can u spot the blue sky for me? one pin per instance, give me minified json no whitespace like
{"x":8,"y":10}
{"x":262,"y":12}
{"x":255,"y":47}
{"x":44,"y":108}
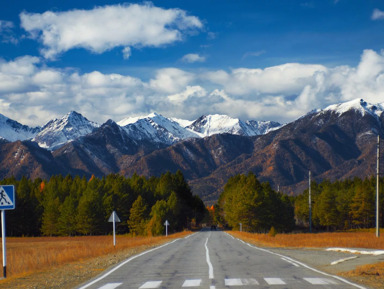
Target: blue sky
{"x":270,"y":60}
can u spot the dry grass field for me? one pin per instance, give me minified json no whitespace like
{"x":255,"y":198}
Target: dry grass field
{"x":27,"y":256}
{"x":359,"y":239}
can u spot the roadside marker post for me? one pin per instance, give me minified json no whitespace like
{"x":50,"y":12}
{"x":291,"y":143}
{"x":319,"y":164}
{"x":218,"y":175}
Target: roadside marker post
{"x":114,"y":218}
{"x":166,"y":224}
{"x":7,"y":202}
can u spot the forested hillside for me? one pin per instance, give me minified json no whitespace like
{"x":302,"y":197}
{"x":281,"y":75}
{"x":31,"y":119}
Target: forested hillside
{"x":67,"y":206}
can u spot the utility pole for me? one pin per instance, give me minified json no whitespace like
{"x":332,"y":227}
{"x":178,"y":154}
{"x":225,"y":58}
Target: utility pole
{"x":377,"y":188}
{"x":310,"y":204}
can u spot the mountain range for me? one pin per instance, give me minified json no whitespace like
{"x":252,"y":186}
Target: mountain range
{"x":334,"y":143}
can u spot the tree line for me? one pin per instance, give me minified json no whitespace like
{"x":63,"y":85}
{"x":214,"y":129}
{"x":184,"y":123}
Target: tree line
{"x":341,"y":205}
{"x":68,"y":206}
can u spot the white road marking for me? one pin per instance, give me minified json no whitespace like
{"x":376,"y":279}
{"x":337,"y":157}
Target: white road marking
{"x":189,"y":236}
{"x":233,"y":282}
{"x":123,"y":263}
{"x":110,"y":286}
{"x":320,"y":281}
{"x":274,"y":281}
{"x":192,"y":283}
{"x":151,"y":284}
{"x":289,"y":261}
{"x":305,"y":265}
{"x":208,"y":260}
{"x":240,"y":282}
{"x":343,"y":260}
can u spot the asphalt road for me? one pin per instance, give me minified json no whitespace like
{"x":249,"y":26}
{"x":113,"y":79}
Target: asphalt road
{"x":214,"y":259}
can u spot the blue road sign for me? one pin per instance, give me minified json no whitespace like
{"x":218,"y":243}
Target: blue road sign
{"x":7,"y":197}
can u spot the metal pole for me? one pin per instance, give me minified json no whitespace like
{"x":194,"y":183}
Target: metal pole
{"x":114,"y":229}
{"x":4,"y":245}
{"x":377,"y":188}
{"x":310,"y":204}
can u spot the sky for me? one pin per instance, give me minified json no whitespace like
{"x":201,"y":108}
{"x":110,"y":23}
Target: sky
{"x":249,"y":59}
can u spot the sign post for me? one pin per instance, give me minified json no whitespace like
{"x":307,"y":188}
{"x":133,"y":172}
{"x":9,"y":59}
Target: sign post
{"x":114,"y":218}
{"x":7,"y":202}
{"x":166,"y":224}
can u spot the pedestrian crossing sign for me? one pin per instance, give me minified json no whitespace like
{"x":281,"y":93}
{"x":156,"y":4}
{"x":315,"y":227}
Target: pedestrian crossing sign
{"x":7,"y":197}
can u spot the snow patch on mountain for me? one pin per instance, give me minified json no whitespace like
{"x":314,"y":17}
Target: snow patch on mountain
{"x":156,"y":128}
{"x":58,"y":132}
{"x":208,"y":125}
{"x":12,"y":130}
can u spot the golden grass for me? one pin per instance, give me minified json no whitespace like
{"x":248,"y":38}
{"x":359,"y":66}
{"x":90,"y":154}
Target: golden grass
{"x":27,"y":255}
{"x":366,"y":239}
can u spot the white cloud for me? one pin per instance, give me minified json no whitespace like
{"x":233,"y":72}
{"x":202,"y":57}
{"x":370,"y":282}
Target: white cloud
{"x":6,"y":32}
{"x":32,"y":93}
{"x":127,"y":52}
{"x":193,"y":57}
{"x":104,"y":28}
{"x":171,"y":80}
{"x":283,"y":79}
{"x":377,"y":15}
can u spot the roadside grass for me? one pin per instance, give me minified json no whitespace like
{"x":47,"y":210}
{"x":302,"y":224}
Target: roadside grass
{"x":357,"y":239}
{"x":34,"y":254}
{"x":372,"y":274}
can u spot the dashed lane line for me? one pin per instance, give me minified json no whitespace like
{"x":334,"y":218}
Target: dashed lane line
{"x":111,"y":286}
{"x":192,"y":283}
{"x":274,"y":281}
{"x":151,"y":284}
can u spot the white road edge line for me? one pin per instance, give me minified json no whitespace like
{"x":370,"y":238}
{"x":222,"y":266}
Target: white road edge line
{"x":343,"y":260}
{"x":208,"y":259}
{"x":123,"y":263}
{"x":304,"y":265}
{"x":291,"y":262}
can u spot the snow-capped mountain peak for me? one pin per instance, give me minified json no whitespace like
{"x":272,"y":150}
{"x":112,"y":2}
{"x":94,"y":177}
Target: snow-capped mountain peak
{"x":208,"y":125}
{"x":57,"y":132}
{"x":11,"y":130}
{"x":357,"y":105}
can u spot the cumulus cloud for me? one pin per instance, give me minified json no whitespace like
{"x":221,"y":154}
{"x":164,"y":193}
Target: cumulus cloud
{"x":377,"y":15}
{"x":107,"y":27}
{"x":171,"y":80}
{"x":33,"y":93}
{"x":287,"y":78}
{"x":193,"y":57}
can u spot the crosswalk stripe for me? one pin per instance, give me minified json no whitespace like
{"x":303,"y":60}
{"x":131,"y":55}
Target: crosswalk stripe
{"x":320,"y":281}
{"x":240,"y":282}
{"x":111,"y":286}
{"x":274,"y":281}
{"x":192,"y":283}
{"x":151,"y":284}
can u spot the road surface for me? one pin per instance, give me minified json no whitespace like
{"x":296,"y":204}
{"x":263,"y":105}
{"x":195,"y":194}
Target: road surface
{"x":213,"y":260}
